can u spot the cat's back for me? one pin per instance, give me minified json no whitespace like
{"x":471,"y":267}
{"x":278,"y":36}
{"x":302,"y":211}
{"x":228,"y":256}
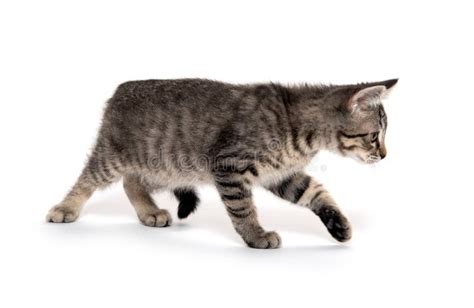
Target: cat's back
{"x":193,"y":104}
{"x":174,"y":93}
{"x":153,"y":112}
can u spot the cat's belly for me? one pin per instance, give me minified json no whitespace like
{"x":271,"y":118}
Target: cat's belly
{"x":174,"y":178}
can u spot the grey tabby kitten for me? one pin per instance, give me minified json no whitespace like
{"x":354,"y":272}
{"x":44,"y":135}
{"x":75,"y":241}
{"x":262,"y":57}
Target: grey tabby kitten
{"x":174,"y":134}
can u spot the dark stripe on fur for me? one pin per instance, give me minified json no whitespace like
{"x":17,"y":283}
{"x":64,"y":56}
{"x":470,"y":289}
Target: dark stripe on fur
{"x":316,"y":196}
{"x":237,"y":196}
{"x":301,"y":188}
{"x":309,"y":139}
{"x":230,"y":184}
{"x":238,"y":214}
{"x":281,"y":189}
{"x":353,"y":136}
{"x":295,"y":138}
{"x":253,"y":170}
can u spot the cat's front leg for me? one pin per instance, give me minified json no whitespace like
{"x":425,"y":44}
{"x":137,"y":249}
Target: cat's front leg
{"x":237,"y":198}
{"x":303,"y":190}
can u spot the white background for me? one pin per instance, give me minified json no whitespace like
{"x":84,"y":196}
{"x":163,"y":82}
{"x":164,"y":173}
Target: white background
{"x":412,"y":243}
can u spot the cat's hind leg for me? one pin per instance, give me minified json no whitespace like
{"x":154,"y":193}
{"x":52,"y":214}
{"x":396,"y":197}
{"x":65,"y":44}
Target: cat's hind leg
{"x":139,"y":195}
{"x":98,"y":173}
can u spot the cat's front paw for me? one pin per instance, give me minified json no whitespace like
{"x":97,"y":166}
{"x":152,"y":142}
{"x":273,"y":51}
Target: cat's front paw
{"x":62,"y":214}
{"x":336,"y":223}
{"x":265,"y":240}
{"x":157,"y":218}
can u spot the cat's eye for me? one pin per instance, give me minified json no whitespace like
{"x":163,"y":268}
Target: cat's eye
{"x":374,"y":137}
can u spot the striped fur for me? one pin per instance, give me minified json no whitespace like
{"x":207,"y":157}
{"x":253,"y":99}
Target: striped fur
{"x":175,"y":134}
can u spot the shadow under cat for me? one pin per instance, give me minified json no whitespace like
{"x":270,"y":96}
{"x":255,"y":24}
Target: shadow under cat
{"x":211,"y":218}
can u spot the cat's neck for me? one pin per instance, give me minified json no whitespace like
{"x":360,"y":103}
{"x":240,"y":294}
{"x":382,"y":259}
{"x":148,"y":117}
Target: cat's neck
{"x":312,"y":117}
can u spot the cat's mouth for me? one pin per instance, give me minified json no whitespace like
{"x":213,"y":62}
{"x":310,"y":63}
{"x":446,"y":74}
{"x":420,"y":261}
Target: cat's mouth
{"x":372,"y":159}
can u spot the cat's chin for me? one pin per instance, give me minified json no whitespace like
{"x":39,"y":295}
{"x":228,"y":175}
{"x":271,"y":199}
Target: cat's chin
{"x":366,"y":161}
{"x":371,"y":161}
{"x":360,"y":160}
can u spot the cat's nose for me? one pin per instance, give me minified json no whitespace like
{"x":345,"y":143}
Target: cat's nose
{"x":382,"y":152}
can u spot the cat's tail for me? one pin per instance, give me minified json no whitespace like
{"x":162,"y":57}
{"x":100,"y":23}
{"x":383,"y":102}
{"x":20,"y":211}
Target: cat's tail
{"x":188,"y":201}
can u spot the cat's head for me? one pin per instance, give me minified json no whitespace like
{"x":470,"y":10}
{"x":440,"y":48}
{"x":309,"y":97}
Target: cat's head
{"x":363,"y":122}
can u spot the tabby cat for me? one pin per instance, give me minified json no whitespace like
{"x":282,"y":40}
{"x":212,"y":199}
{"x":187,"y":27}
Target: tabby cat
{"x":174,"y":134}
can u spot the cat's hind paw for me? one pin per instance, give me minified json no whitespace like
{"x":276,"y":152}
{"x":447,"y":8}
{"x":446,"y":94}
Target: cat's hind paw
{"x":157,"y":218}
{"x":62,"y":214}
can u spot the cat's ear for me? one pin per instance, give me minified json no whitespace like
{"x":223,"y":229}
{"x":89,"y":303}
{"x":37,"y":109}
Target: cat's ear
{"x":365,"y":98}
{"x":389,"y":84}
